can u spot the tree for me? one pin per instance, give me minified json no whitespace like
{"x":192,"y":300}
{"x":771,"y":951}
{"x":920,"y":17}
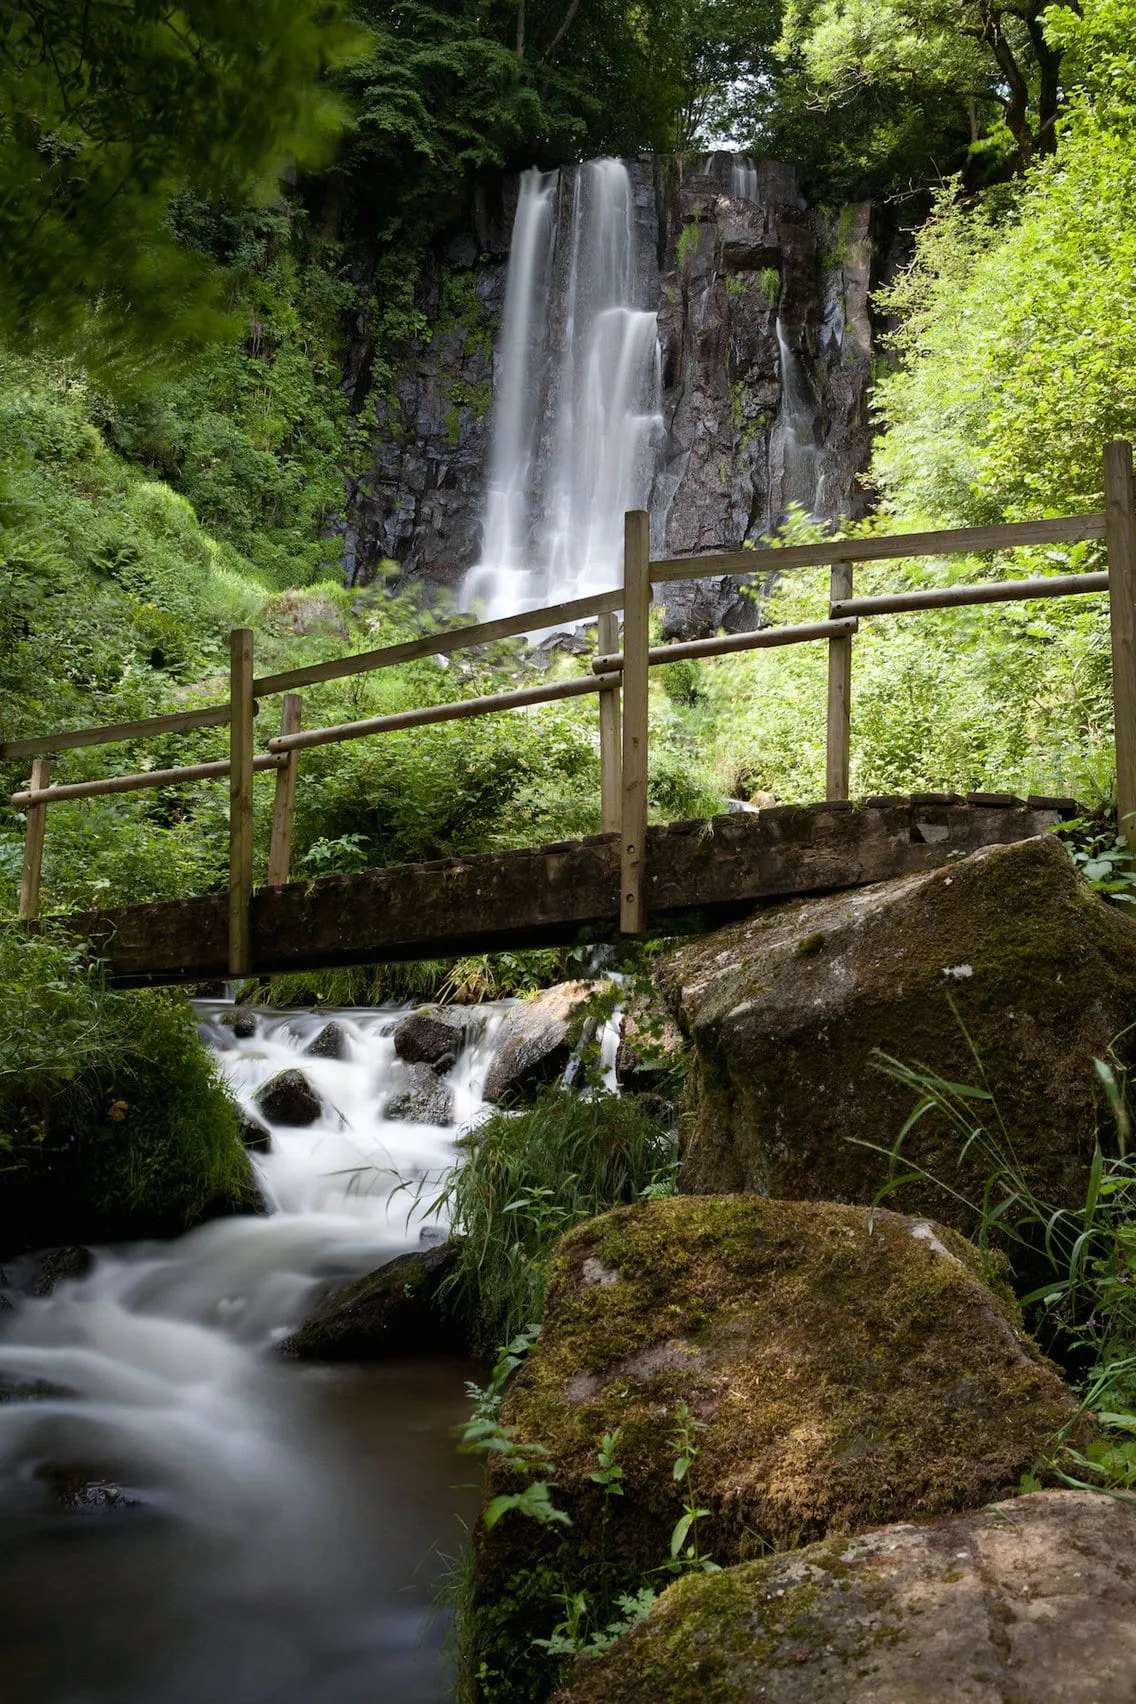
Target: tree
{"x":109,"y":109}
{"x":994,"y":58}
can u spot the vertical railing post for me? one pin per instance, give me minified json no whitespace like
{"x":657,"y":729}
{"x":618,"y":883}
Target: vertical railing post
{"x":33,"y":844}
{"x":284,"y":806}
{"x":636,"y":670}
{"x":241,"y":711}
{"x":838,"y":748}
{"x":607,"y":643}
{"x":1120,"y":524}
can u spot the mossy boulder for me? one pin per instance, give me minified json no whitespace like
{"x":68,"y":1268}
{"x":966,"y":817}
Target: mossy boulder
{"x":839,"y":1372}
{"x":1029,"y":1601}
{"x":788,"y":1011}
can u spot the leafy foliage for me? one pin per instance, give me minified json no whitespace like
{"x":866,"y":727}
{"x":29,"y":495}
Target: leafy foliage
{"x":109,"y":109}
{"x":113,"y":1120}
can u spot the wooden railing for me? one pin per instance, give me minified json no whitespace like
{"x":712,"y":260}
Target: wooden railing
{"x":619,"y":678}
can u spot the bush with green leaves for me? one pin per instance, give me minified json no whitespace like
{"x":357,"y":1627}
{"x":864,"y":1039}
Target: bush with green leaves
{"x":113,"y":1119}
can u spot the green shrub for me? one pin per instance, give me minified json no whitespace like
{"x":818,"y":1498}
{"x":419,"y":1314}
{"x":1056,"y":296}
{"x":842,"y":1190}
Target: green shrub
{"x":113,"y":1119}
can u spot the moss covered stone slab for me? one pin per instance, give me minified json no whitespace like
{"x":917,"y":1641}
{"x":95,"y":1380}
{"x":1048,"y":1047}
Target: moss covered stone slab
{"x":839,"y":1373}
{"x":786,"y":1012}
{"x":1026,"y":1602}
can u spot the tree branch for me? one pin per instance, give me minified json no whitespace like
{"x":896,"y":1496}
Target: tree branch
{"x":565,"y":25}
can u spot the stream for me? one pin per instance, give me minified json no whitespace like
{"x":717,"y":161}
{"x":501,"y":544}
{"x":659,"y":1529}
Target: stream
{"x":187,"y":1517}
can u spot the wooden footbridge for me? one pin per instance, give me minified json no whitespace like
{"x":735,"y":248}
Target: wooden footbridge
{"x":630,"y":878}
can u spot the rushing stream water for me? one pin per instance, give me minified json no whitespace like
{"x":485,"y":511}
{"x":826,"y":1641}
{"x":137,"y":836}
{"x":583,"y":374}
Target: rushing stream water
{"x":187,"y":1518}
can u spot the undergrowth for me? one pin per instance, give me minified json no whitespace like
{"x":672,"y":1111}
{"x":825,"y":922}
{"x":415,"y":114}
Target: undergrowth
{"x":1083,"y":1310}
{"x":113,"y":1119}
{"x":523,"y":1179}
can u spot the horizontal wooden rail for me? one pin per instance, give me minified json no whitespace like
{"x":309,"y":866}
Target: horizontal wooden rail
{"x":132,"y":783}
{"x":455,"y":711}
{"x":177,"y":722}
{"x":959,"y":541}
{"x":760,"y":639}
{"x":442,"y":644}
{"x":992,"y":591}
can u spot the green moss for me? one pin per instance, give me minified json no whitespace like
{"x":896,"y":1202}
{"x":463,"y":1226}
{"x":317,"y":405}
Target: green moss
{"x":843,"y":1377}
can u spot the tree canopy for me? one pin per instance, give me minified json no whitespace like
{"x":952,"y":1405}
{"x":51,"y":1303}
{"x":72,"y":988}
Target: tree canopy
{"x":109,"y":109}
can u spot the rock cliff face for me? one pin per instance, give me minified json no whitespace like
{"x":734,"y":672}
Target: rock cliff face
{"x":765,"y":358}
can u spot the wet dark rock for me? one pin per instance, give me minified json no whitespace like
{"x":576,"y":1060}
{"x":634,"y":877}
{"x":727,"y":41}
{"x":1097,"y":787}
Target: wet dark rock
{"x":395,"y":1310}
{"x":427,"y":1038}
{"x":242,"y":1022}
{"x":536,"y":1043}
{"x":58,"y":1265}
{"x":288,"y":1098}
{"x":424,"y":1100}
{"x":83,"y":1490}
{"x":332,"y":1042}
{"x":256,"y":1136}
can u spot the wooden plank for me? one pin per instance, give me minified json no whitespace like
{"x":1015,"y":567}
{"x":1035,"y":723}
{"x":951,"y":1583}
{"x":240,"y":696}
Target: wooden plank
{"x":551,"y":895}
{"x":636,"y":682}
{"x":986,"y":592}
{"x":455,"y":711}
{"x":958,"y":541}
{"x":177,"y":722}
{"x":839,"y":698}
{"x":33,"y":844}
{"x":1120,"y":507}
{"x":284,"y":805}
{"x":725,"y":645}
{"x":240,"y":799}
{"x":443,"y":644}
{"x":134,"y":783}
{"x":611,"y":757}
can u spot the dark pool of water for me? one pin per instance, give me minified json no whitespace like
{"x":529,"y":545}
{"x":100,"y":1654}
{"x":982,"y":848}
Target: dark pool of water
{"x":323,"y":1595}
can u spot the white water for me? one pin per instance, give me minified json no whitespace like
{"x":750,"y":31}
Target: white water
{"x":271,"y":1518}
{"x":743,"y":178}
{"x":577,"y":422}
{"x":794,"y":438}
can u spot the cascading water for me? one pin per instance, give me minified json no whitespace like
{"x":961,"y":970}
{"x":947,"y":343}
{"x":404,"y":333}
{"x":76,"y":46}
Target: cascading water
{"x":743,"y":178}
{"x":793,"y":445}
{"x":577,"y":419}
{"x":239,"y":1528}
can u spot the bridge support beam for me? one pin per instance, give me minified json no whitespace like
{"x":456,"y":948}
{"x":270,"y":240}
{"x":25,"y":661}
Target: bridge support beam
{"x":240,"y":800}
{"x":636,"y":675}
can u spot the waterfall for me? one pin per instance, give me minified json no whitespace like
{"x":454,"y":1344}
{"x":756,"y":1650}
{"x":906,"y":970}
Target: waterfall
{"x":743,"y":178}
{"x":577,"y":421}
{"x":793,"y":443}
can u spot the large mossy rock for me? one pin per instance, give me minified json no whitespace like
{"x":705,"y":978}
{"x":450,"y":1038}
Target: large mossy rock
{"x":1026,"y":1602}
{"x":839,"y":1373}
{"x":787,"y":1010}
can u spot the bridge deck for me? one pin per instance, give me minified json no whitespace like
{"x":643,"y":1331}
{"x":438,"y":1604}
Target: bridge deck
{"x":551,"y":895}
